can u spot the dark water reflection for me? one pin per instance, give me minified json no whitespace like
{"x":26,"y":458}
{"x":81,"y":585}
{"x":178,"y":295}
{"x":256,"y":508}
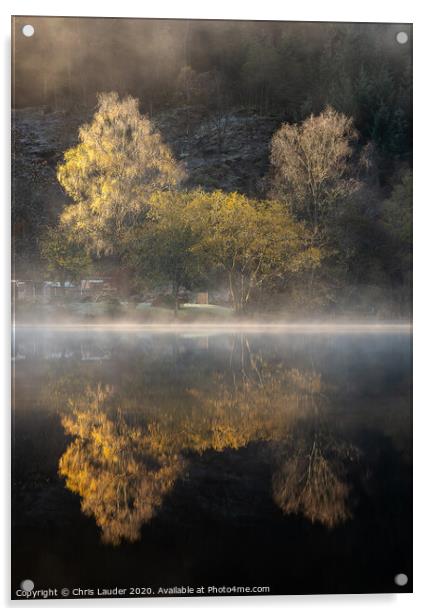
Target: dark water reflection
{"x":236,"y":459}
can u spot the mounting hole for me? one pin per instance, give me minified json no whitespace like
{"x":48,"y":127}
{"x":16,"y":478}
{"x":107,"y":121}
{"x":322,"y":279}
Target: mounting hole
{"x":28,"y":30}
{"x":402,"y":38}
{"x":27,"y":585}
{"x":401,"y":579}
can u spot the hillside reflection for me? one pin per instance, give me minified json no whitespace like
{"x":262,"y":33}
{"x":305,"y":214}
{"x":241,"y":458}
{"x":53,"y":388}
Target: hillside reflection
{"x":126,"y":454}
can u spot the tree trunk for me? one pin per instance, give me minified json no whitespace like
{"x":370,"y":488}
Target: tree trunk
{"x":238,"y":292}
{"x":176,"y":289}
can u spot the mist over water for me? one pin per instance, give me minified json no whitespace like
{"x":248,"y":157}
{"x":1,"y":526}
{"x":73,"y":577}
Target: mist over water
{"x":208,"y":435}
{"x":212,"y":328}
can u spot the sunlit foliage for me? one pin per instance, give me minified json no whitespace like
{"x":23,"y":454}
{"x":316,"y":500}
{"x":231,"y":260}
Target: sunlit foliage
{"x":119,"y":161}
{"x":251,"y":242}
{"x":304,"y":244}
{"x":312,"y":165}
{"x":195,"y":235}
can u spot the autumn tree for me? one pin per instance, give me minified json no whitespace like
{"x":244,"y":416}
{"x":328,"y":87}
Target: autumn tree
{"x":162,"y":250}
{"x":64,"y":258}
{"x":119,"y":161}
{"x":312,"y":167}
{"x":250,"y":242}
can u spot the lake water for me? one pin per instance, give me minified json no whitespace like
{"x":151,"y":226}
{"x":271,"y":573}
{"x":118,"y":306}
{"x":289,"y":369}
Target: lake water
{"x":149,"y":459}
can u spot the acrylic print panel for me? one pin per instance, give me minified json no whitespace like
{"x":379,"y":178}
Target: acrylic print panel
{"x":212,"y":269}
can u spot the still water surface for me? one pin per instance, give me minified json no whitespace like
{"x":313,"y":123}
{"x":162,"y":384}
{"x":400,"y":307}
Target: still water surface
{"x":151,"y":459}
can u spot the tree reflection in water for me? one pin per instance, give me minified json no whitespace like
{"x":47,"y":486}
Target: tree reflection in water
{"x":312,"y":463}
{"x":122,"y":469}
{"x":112,"y":466}
{"x":311,"y":476}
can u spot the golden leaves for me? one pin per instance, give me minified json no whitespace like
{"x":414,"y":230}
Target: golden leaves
{"x":119,"y":476}
{"x":111,"y":173}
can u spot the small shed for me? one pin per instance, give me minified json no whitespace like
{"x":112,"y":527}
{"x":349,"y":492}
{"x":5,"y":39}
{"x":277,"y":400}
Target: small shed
{"x":202,"y":297}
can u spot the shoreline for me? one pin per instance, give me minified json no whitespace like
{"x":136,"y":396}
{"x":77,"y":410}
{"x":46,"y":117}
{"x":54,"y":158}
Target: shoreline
{"x":264,"y":327}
